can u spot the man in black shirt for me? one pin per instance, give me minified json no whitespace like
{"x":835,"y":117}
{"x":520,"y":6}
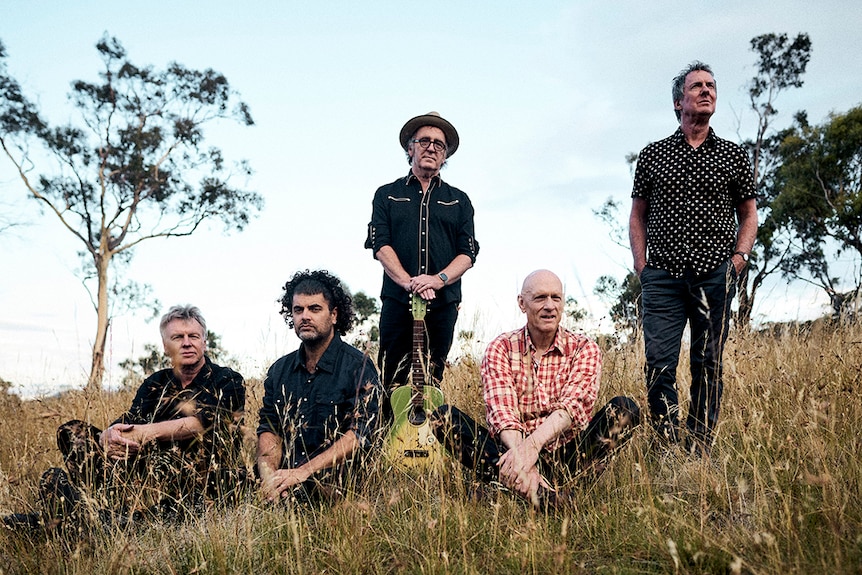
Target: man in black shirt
{"x":422,"y":232}
{"x":692,"y":227}
{"x":178,"y":442}
{"x":321,"y":402}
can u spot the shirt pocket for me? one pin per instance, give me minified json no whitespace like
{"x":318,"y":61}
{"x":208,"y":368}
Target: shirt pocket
{"x":331,"y":408}
{"x":448,"y":212}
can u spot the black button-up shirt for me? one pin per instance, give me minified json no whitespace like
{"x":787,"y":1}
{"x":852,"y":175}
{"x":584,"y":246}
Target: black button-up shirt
{"x":426,"y":231}
{"x":310,"y":411}
{"x":692,"y":196}
{"x":216,"y":397}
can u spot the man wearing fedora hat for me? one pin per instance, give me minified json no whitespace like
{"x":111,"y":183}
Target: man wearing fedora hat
{"x":422,"y":232}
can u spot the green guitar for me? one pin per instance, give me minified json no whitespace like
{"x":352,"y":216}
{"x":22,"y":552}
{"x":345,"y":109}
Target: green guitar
{"x":411,"y":443}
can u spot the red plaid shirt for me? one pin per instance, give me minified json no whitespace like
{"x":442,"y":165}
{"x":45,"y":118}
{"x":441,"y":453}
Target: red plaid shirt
{"x":522,"y":390}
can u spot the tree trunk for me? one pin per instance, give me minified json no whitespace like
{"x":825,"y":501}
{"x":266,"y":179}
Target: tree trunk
{"x":97,"y":370}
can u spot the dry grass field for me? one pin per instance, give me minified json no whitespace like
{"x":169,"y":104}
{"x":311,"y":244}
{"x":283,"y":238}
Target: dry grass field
{"x":781,"y":493}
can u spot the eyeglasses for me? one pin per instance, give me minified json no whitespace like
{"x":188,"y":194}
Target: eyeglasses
{"x":425,"y":142}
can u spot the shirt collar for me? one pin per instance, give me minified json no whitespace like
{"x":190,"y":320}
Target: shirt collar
{"x":327,"y":360}
{"x":679,"y":137}
{"x":411,"y":177}
{"x":205,"y":373}
{"x":556,"y":344}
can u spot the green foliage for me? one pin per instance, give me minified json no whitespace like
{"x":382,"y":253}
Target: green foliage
{"x":625,"y":301}
{"x":781,"y":63}
{"x":574,"y":312}
{"x":367,"y":326}
{"x":134,"y":166}
{"x":818,"y":195}
{"x":364,"y":306}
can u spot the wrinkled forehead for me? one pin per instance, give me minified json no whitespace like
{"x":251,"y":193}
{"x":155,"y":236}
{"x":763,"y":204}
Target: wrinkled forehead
{"x":698,"y":76}
{"x":183,"y":326}
{"x":432,"y":132}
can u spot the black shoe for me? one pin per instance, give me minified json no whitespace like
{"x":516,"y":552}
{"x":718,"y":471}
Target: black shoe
{"x":695,"y":448}
{"x":20,"y":522}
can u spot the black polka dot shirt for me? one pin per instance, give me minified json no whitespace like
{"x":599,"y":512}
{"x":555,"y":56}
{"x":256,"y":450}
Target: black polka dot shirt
{"x":692,"y":196}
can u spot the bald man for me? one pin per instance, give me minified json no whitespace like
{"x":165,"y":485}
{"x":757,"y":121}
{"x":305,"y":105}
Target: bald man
{"x":540,"y":384}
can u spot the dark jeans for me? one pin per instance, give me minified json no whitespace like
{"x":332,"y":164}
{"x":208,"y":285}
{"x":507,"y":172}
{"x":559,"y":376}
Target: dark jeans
{"x":396,"y":341}
{"x":158,"y":477}
{"x":474,"y":447}
{"x":704,"y":302}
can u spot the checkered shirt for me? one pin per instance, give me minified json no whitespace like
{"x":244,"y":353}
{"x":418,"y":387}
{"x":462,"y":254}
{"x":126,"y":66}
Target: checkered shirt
{"x":521,"y":390}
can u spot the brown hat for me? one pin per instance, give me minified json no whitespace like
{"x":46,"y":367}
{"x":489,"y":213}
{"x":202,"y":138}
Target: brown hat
{"x":430,"y":119}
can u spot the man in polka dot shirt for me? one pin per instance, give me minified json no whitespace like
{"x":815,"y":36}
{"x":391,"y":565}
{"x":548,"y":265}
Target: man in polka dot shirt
{"x":692,"y":227}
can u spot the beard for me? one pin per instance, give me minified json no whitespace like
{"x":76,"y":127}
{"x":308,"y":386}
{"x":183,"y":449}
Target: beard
{"x":311,"y":334}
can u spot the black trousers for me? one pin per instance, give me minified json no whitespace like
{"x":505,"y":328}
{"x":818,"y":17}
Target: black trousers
{"x":157,"y":476}
{"x":474,"y":447}
{"x":396,"y":341}
{"x":704,"y":302}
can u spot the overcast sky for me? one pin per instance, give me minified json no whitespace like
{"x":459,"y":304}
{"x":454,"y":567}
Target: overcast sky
{"x":548,"y":98}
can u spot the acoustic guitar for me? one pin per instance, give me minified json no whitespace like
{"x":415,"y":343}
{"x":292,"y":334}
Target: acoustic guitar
{"x":411,"y":444}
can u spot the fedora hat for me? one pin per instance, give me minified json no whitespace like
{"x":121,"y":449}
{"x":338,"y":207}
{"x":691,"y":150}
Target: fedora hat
{"x":430,"y":119}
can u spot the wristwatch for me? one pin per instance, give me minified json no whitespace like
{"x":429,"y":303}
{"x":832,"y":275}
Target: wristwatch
{"x":744,"y":256}
{"x":443,"y":277}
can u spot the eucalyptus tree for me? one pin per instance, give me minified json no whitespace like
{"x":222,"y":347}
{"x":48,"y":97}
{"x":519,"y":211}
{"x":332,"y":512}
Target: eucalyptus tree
{"x":781,"y":62}
{"x":131,"y":166}
{"x":818,"y":195}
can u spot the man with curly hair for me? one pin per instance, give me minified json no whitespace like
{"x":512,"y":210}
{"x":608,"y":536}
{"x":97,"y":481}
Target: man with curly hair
{"x":321,"y":402}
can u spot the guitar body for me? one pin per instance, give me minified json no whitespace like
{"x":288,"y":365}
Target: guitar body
{"x":411,"y":444}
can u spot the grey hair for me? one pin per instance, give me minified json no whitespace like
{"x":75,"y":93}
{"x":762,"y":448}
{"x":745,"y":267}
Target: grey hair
{"x":678,"y":85}
{"x":182,"y":312}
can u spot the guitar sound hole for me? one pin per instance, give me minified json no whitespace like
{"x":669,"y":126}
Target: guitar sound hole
{"x":417,"y":416}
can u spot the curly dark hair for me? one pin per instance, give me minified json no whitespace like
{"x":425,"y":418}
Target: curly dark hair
{"x":319,"y":282}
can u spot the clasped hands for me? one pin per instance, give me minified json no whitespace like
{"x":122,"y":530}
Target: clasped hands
{"x":518,"y":470}
{"x":122,"y":440}
{"x":425,"y":286}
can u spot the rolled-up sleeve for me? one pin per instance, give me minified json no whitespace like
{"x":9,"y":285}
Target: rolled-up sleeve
{"x":466,"y":243}
{"x":580,"y":388}
{"x":379,"y":231}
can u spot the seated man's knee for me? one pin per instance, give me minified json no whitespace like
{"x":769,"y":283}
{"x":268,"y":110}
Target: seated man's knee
{"x":623,"y":416}
{"x":628,"y":408}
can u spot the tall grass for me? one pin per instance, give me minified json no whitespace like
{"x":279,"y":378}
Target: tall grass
{"x":781,"y":493}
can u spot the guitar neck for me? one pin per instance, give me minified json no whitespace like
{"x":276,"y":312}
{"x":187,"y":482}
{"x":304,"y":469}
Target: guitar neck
{"x":418,"y":361}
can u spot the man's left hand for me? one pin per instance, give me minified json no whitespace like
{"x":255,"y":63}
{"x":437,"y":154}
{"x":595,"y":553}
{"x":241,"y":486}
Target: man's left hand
{"x":518,"y":462}
{"x":120,"y":441}
{"x":280,"y":482}
{"x":426,"y":286}
{"x":738,"y":263}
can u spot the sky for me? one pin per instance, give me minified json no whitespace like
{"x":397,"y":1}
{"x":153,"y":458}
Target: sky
{"x":548,"y":98}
